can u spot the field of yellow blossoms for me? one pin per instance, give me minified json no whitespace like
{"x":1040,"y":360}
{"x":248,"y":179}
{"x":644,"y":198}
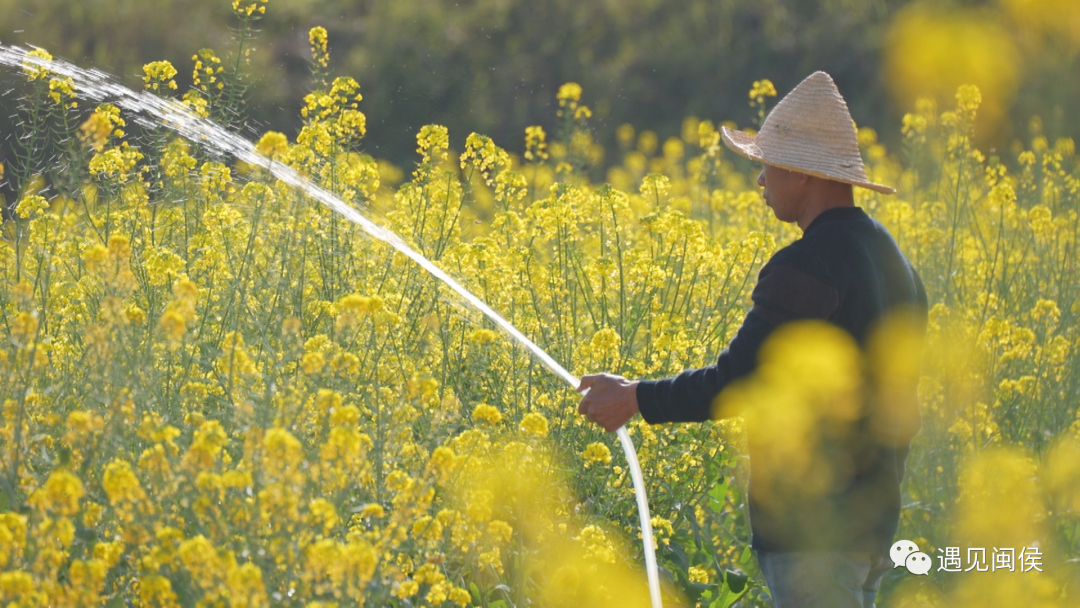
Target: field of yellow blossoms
{"x":215,"y":392}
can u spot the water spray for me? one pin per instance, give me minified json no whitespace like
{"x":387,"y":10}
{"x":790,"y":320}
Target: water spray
{"x":153,"y":111}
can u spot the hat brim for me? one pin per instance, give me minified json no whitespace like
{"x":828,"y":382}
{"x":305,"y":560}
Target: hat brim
{"x":743,"y":143}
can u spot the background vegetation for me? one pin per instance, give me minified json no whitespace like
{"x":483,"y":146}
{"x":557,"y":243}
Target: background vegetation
{"x":492,"y":66}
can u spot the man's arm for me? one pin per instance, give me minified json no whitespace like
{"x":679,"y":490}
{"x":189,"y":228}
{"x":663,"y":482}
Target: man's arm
{"x":689,"y":396}
{"x":784,"y":292}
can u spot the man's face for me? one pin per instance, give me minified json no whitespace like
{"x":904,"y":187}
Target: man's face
{"x":784,"y":191}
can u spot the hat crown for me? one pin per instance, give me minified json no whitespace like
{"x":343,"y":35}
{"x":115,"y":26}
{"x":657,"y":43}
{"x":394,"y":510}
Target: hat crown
{"x":810,"y":130}
{"x":812,"y":125}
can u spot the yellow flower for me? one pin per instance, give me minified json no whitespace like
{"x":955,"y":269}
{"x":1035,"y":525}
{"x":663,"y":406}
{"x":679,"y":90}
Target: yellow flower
{"x":1046,"y":311}
{"x":81,"y":422}
{"x":569,"y":93}
{"x":206,"y":445}
{"x":201,"y":559}
{"x":24,"y":329}
{"x":662,"y":526}
{"x":197,"y":102}
{"x":358,"y":304}
{"x":120,"y":483}
{"x":323,"y":513}
{"x":372,"y":510}
{"x":491,"y":558}
{"x":345,"y":416}
{"x":460,"y":596}
{"x":16,"y":583}
{"x":483,"y":336}
{"x":60,"y":493}
{"x":103,"y":124}
{"x":62,"y":529}
{"x":605,"y":343}
{"x":438,"y":593}
{"x":173,"y":325}
{"x":155,"y":590}
{"x":33,"y":71}
{"x":347,"y":444}
{"x":312,"y":363}
{"x":1042,"y":223}
{"x":215,"y":180}
{"x":433,"y":141}
{"x":487,"y":413}
{"x":157,"y":74}
{"x":176,"y":162}
{"x":597,"y":452}
{"x":535,"y":424}
{"x":442,"y":460}
{"x":272,"y":144}
{"x":185,"y":290}
{"x":115,"y":163}
{"x":485,"y":156}
{"x":119,"y":247}
{"x":968,"y":98}
{"x":249,"y":8}
{"x":283,"y":451}
{"x":760,"y":90}
{"x":500,"y":530}
{"x":204,"y":75}
{"x":320,"y":54}
{"x":535,"y":143}
{"x":61,"y":90}
{"x":135,"y":315}
{"x":406,"y":589}
{"x":427,"y":528}
{"x":32,"y":206}
{"x":655,"y":186}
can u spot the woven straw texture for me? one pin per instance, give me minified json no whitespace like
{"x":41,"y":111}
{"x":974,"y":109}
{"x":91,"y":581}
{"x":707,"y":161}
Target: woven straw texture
{"x":809,"y":131}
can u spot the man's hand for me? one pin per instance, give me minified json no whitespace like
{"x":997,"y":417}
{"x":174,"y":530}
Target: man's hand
{"x":611,"y":400}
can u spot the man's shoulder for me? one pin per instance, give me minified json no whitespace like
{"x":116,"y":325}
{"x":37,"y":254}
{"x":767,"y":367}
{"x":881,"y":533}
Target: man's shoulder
{"x":796,"y":283}
{"x":802,"y":256}
{"x":828,"y":253}
{"x":845,"y":245}
{"x":839,"y":234}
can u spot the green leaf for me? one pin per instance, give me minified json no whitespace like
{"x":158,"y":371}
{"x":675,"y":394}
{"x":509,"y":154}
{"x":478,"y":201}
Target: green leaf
{"x":695,"y":591}
{"x":677,"y":555}
{"x":736,"y":581}
{"x":746,"y":557}
{"x":730,"y":590}
{"x":724,"y":598}
{"x":716,"y":497}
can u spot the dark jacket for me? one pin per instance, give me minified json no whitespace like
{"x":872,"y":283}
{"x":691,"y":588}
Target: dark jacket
{"x":847,"y":270}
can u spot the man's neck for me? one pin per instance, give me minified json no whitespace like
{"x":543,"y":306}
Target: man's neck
{"x":823,"y":195}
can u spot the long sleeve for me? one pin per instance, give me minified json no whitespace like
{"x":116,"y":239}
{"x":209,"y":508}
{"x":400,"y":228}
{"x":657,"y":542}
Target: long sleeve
{"x":790,"y":286}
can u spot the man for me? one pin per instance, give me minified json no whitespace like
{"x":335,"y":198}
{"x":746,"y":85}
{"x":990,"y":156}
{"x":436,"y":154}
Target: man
{"x":829,"y":550}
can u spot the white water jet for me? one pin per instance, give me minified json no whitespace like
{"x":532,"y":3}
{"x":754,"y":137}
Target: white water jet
{"x":99,"y":86}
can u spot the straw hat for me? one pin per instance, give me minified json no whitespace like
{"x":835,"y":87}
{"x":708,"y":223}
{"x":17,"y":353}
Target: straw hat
{"x":809,"y":131}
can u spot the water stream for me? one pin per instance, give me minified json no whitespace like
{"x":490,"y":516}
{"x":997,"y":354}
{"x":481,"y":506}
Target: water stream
{"x":101,"y":87}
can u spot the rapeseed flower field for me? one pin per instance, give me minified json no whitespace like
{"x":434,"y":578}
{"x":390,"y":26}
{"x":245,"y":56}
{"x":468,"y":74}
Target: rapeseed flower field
{"x":215,"y":392}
